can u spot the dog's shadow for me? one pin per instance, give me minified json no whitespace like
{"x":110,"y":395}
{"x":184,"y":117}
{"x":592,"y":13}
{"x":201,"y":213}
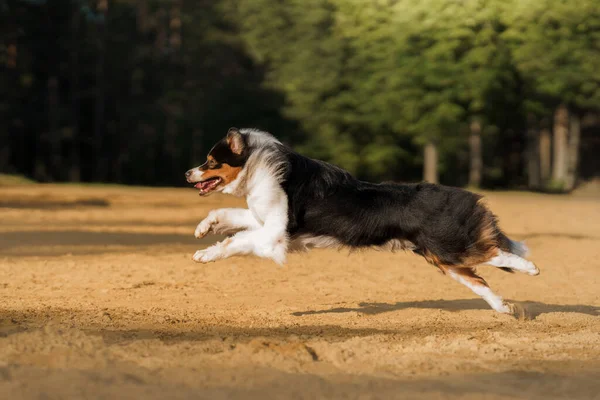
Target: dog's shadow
{"x":533,"y":309}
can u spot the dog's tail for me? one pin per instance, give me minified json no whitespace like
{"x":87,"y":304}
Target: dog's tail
{"x":512,"y":246}
{"x":517,"y":248}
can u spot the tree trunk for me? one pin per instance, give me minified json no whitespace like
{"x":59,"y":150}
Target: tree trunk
{"x":54,"y":131}
{"x":5,"y":149}
{"x":573,"y":157}
{"x":161,"y":33}
{"x":430,"y":164}
{"x":175,"y":27}
{"x":476,"y":164}
{"x":534,"y":179}
{"x":545,"y":155}
{"x":142,"y":16}
{"x":99,"y":107}
{"x":170,"y":146}
{"x":6,"y":145}
{"x":174,"y":106}
{"x":561,"y":131}
{"x":75,"y":167}
{"x":40,"y":143}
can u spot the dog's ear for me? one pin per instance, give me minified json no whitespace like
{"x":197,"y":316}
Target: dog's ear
{"x":235,"y":140}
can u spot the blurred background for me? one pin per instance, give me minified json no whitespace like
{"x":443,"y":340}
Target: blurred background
{"x":479,"y":93}
{"x":99,"y":297}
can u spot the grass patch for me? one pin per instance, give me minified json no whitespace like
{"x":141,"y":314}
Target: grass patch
{"x":14,"y":180}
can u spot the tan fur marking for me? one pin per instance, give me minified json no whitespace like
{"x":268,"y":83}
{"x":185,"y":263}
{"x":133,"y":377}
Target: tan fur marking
{"x":468,"y":274}
{"x":226,"y":172}
{"x":486,"y":246}
{"x":229,"y":173}
{"x":432,"y":259}
{"x":483,"y":249}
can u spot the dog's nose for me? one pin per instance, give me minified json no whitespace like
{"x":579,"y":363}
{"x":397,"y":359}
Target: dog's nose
{"x":188,"y":173}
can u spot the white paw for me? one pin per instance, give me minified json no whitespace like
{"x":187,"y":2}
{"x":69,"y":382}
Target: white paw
{"x":279,"y":255}
{"x":518,"y":311}
{"x":204,"y":227}
{"x":533,"y":270}
{"x":276,"y":253}
{"x":504,"y":308}
{"x":207,"y":255}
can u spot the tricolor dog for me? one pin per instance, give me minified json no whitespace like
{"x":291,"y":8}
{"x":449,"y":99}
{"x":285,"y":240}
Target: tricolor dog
{"x":297,"y":203}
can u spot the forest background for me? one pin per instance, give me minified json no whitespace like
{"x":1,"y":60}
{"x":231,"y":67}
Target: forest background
{"x":479,"y":93}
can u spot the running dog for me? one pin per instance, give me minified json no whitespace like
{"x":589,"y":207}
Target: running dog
{"x":297,"y":203}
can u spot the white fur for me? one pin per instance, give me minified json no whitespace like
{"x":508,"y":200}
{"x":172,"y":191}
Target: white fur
{"x":397,"y":244}
{"x":486,"y":293}
{"x":226,"y":221}
{"x":512,"y":261}
{"x":265,"y":221}
{"x":306,"y":242}
{"x":258,"y":138}
{"x":196,"y":175}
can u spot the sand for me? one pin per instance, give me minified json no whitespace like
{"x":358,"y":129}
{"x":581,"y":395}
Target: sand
{"x":99,"y":299}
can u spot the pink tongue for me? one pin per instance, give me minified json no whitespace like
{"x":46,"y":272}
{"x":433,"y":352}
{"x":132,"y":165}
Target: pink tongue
{"x":205,"y":185}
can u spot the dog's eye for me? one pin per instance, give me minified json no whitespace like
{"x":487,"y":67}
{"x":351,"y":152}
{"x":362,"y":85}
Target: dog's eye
{"x":212,"y":163}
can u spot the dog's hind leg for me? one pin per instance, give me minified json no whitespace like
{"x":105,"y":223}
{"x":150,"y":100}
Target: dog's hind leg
{"x":514,"y":262}
{"x":479,"y":286}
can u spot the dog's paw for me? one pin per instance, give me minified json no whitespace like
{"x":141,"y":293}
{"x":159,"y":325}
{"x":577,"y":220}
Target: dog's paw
{"x":207,"y":255}
{"x":204,"y":227}
{"x":518,"y":311}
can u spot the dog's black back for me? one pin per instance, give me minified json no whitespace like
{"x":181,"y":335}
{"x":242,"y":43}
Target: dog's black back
{"x":443,"y":223}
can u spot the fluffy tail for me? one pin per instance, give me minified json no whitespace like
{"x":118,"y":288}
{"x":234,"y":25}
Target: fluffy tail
{"x":512,"y":246}
{"x":519,"y":248}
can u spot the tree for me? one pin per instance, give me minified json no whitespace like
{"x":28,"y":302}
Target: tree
{"x":573,"y":155}
{"x":75,"y":167}
{"x":476,"y":161}
{"x":402,"y":81}
{"x":555,"y":48}
{"x":109,"y":88}
{"x":445,"y":90}
{"x":561,"y":131}
{"x":303,"y":59}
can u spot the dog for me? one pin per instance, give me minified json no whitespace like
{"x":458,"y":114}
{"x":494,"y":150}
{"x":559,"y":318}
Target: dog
{"x":297,"y":203}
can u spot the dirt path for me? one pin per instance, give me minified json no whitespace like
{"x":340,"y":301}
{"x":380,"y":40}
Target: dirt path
{"x":99,"y":298}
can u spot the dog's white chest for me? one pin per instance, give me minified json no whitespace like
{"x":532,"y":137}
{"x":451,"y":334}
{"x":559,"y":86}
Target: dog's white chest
{"x":268,"y":201}
{"x":258,"y":208}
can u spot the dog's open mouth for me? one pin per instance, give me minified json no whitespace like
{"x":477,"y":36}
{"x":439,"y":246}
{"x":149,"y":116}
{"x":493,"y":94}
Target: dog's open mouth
{"x":208,"y":185}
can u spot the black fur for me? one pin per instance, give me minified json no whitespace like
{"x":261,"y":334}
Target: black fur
{"x":222,"y":154}
{"x":325,"y":200}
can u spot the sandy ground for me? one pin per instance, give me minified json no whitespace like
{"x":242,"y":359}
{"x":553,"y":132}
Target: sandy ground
{"x":99,"y":299}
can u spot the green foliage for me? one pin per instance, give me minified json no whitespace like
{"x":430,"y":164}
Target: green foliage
{"x":556,"y":47}
{"x":165,"y":101}
{"x":363,"y":76}
{"x":555,"y":186}
{"x":14,"y":180}
{"x":361,"y":83}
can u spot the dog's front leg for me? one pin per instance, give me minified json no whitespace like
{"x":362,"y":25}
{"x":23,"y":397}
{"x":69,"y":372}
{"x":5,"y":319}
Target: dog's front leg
{"x":261,"y":242}
{"x":268,"y":240}
{"x":226,"y":221}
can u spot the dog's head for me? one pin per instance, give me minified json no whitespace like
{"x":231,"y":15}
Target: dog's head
{"x":223,"y":164}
